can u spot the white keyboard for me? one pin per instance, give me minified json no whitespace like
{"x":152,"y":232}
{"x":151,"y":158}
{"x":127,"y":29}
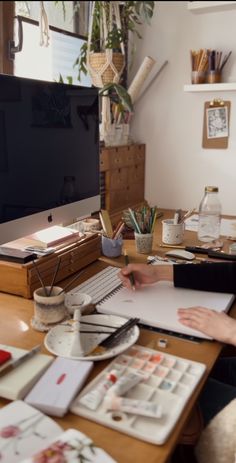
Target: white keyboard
{"x":100,"y":285}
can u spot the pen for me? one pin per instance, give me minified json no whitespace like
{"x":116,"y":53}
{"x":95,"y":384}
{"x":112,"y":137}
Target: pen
{"x":131,"y":275}
{"x":178,"y":217}
{"x":15,"y":363}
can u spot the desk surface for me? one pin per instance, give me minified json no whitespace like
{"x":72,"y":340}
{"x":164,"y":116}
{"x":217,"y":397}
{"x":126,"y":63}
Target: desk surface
{"x":15,"y":329}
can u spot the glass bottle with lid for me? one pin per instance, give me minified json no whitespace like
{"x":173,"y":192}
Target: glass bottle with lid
{"x":209,"y":215}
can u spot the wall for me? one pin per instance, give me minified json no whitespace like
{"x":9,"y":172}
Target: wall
{"x":170,"y":120}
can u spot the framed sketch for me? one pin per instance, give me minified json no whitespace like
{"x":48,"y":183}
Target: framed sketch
{"x":216,"y":128}
{"x":217,"y":122}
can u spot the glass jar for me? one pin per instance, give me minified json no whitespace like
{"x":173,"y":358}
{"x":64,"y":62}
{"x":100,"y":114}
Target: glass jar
{"x":209,"y":215}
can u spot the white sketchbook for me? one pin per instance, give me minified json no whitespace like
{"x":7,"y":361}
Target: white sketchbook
{"x":156,"y":305}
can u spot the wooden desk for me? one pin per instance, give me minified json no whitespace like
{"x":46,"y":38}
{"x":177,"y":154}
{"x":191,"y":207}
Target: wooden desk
{"x":15,"y":329}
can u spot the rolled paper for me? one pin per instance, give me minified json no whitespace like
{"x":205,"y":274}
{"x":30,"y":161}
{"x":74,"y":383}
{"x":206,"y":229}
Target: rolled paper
{"x":140,"y":77}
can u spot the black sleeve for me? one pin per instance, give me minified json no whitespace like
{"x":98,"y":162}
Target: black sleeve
{"x":217,"y":276}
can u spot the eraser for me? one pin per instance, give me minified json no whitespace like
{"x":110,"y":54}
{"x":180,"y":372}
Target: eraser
{"x":162,"y":343}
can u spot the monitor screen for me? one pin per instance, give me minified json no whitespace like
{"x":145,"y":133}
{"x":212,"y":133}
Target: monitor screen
{"x":49,"y":154}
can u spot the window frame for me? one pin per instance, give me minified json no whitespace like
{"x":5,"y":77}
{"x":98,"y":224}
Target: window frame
{"x":7,"y":18}
{"x":7,"y":11}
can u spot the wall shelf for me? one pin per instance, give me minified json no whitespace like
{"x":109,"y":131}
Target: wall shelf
{"x":224,"y":87}
{"x":205,"y":7}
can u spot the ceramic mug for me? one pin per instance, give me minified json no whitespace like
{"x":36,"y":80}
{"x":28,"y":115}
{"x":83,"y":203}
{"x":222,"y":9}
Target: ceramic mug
{"x":172,"y":233}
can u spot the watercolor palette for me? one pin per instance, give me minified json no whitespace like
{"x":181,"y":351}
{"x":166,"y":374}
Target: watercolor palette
{"x":169,"y":382}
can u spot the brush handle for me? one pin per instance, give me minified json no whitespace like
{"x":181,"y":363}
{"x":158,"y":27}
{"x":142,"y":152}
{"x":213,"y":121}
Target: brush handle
{"x":114,"y":337}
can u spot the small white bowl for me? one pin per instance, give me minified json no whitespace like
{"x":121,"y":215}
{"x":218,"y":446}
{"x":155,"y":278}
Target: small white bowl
{"x":75,"y":301}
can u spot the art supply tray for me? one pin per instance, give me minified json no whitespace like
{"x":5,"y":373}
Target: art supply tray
{"x":170,"y":383}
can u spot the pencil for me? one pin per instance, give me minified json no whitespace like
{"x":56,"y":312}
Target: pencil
{"x":131,"y":275}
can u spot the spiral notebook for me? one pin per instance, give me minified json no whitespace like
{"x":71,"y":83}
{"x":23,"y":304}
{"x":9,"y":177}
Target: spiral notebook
{"x":155,"y":305}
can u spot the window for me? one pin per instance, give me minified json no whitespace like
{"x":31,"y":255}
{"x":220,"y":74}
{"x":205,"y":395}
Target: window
{"x":58,"y":58}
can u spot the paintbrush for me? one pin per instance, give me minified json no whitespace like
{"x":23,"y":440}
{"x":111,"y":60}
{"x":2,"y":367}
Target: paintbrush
{"x":54,"y":277}
{"x":15,"y":363}
{"x":72,"y":281}
{"x":40,"y":279}
{"x":114,"y":338}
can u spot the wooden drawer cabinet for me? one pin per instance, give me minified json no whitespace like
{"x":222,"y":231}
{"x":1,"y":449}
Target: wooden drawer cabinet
{"x":122,"y":177}
{"x":22,"y":280}
{"x":136,"y":174}
{"x":118,"y":179}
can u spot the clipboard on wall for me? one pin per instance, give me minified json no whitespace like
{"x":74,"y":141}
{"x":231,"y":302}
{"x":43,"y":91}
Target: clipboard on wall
{"x":216,"y":124}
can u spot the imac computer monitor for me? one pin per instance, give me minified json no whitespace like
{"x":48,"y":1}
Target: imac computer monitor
{"x":49,"y":155}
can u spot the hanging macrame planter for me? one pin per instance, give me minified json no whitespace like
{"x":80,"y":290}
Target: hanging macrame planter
{"x":107,"y":66}
{"x":43,"y":26}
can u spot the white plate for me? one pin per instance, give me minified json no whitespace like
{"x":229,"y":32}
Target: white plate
{"x":59,"y":339}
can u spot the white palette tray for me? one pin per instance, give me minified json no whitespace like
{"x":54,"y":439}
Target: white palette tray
{"x":171,"y":381}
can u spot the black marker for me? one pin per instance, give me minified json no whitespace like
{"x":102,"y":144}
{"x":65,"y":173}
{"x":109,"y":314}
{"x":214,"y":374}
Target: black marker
{"x":131,"y":275}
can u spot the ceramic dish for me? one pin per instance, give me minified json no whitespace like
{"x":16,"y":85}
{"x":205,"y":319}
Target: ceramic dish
{"x":77,"y":300}
{"x":59,"y":339}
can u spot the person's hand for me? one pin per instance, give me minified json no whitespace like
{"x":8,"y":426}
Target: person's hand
{"x":145,"y":274}
{"x":215,"y":324}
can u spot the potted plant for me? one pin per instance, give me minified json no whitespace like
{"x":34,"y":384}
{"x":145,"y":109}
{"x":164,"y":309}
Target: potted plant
{"x":103,"y":55}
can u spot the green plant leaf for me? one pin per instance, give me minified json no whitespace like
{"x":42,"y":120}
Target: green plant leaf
{"x":133,"y":14}
{"x":123,"y":96}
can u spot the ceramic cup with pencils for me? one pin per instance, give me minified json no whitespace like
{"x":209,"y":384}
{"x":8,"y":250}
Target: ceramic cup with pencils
{"x":143,"y":222}
{"x":143,"y":242}
{"x":172,"y":233}
{"x":112,"y":247}
{"x":48,"y":309}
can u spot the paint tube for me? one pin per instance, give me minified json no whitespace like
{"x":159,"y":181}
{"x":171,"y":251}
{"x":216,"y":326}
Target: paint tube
{"x":134,"y":406}
{"x":126,"y":382}
{"x":94,"y":397}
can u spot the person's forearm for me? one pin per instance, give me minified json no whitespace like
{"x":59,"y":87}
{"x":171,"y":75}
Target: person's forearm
{"x":218,"y":276}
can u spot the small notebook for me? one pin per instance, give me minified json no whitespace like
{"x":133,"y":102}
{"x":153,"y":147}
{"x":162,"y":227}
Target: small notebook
{"x":27,"y":436}
{"x":17,"y":383}
{"x":52,"y":236}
